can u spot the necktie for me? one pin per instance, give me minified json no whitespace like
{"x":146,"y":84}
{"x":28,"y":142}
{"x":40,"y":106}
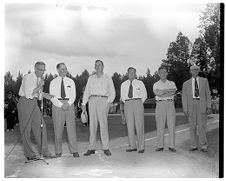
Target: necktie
{"x":130,"y":94}
{"x":196,"y":88}
{"x":38,"y":93}
{"x":63,"y":94}
{"x":37,"y":82}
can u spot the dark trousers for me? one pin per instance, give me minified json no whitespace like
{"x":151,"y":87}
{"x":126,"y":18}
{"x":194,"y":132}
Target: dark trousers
{"x":10,"y":120}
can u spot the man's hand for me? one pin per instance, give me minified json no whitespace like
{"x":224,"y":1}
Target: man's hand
{"x":83,"y":108}
{"x":41,"y":83}
{"x":65,"y":106}
{"x":47,"y":96}
{"x":208,"y":111}
{"x":38,"y":88}
{"x":108,"y":107}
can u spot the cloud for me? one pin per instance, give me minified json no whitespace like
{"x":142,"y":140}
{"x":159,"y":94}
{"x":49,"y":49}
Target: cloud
{"x":91,"y":8}
{"x":121,"y":35}
{"x":73,"y":8}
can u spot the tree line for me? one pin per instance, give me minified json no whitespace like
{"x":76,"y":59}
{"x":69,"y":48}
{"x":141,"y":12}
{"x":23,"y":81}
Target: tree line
{"x":205,"y":52}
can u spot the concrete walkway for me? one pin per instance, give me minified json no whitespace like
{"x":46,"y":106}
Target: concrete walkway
{"x":122,"y":164}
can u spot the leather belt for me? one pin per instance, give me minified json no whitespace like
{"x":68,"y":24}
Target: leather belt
{"x":165,"y":100}
{"x":196,"y":98}
{"x":99,"y":96}
{"x":34,"y":98}
{"x":133,"y":99}
{"x":63,"y":99}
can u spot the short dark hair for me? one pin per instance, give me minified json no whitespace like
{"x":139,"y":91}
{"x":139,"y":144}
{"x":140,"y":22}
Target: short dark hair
{"x":59,"y":64}
{"x":162,"y":67}
{"x":99,"y":61}
{"x":131,"y":68}
{"x":39,"y":63}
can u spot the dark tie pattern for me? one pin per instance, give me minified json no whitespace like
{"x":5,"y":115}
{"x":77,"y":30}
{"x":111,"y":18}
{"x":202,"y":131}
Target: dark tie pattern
{"x":196,"y":88}
{"x":63,"y":94}
{"x":130,"y":94}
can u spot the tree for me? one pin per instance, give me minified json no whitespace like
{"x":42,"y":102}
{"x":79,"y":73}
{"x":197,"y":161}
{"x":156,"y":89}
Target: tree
{"x":176,"y":62}
{"x":117,"y":80}
{"x":18,"y":83}
{"x":199,"y":53}
{"x":9,"y":83}
{"x":210,"y":30}
{"x":48,"y":79}
{"x":149,"y":82}
{"x":80,"y":82}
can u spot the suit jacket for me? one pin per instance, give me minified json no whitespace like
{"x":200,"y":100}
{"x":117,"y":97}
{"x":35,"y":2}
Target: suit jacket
{"x":204,"y":94}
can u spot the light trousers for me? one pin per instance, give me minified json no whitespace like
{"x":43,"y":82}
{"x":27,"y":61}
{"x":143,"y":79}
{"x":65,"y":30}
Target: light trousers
{"x":30,"y":120}
{"x":197,"y":118}
{"x":165,"y":110}
{"x":134,"y":113}
{"x":98,"y":112}
{"x":59,"y":118}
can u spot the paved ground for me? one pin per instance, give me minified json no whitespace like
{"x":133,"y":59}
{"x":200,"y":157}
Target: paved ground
{"x":121,"y":164}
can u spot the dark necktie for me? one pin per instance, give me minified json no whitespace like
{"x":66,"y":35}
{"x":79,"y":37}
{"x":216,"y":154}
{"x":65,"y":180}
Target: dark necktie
{"x":130,"y":94}
{"x":63,"y":94}
{"x":37,"y":82}
{"x":196,"y":88}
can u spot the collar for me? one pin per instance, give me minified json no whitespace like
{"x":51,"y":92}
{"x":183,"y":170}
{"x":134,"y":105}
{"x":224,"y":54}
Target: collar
{"x":134,"y":80}
{"x":194,"y":78}
{"x":163,"y":82}
{"x":35,"y":76}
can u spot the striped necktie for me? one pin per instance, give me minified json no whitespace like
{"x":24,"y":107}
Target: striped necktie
{"x":130,"y":94}
{"x":196,"y":88}
{"x":63,"y":94}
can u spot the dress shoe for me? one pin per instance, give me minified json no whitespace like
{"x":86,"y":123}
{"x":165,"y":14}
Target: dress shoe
{"x":75,"y":154}
{"x":107,"y":152}
{"x":49,"y":156}
{"x":193,"y":149}
{"x":141,"y":151}
{"x":33,"y":158}
{"x":89,"y":152}
{"x":159,"y":149}
{"x":172,"y":149}
{"x":204,"y":149}
{"x":58,"y":155}
{"x":131,"y":149}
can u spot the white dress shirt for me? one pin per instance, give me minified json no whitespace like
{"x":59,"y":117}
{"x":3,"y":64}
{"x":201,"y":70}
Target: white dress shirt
{"x":55,"y":90}
{"x":139,"y":90}
{"x":29,"y":83}
{"x":193,"y":86}
{"x":102,"y":86}
{"x":160,"y":85}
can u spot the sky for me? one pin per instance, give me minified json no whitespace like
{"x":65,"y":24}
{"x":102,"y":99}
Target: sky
{"x":120,"y":34}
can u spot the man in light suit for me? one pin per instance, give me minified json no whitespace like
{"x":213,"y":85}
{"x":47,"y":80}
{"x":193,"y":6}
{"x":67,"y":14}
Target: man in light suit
{"x":196,"y":106}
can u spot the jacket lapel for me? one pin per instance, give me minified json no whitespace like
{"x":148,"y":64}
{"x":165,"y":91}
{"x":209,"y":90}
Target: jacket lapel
{"x":200,"y":84}
{"x":190,"y":88}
